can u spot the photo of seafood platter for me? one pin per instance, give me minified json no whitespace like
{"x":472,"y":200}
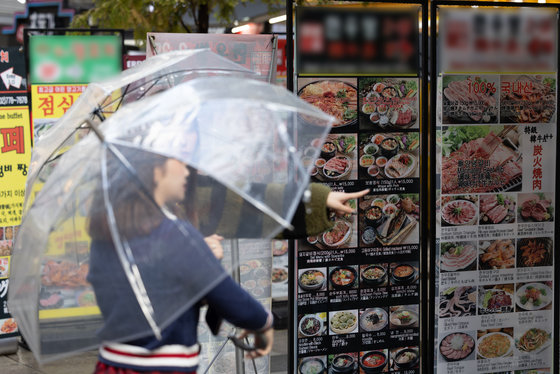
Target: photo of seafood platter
{"x":457,"y":256}
{"x":535,"y":207}
{"x":335,"y":96}
{"x":457,"y":302}
{"x":494,"y":343}
{"x":389,"y":219}
{"x":389,"y":155}
{"x":470,"y":99}
{"x":533,"y":296}
{"x":497,"y":209}
{"x":337,"y":160}
{"x":533,"y":340}
{"x":460,"y":210}
{"x":528,"y":99}
{"x":477,"y":159}
{"x":496,"y":299}
{"x":388,"y":103}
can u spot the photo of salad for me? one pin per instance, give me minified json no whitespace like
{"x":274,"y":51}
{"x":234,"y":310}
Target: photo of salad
{"x":389,"y":155}
{"x":388,"y":103}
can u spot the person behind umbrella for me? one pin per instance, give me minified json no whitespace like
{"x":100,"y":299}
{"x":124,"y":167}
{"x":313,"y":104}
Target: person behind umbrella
{"x":172,"y":258}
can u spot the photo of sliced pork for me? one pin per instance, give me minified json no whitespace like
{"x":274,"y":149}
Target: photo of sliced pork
{"x":458,"y":256}
{"x":469,"y":99}
{"x":459,"y":212}
{"x":456,"y":346}
{"x":497,"y":208}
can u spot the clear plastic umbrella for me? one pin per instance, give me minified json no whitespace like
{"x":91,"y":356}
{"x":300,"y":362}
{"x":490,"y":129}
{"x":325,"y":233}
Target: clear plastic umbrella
{"x":100,"y":100}
{"x":109,"y":220}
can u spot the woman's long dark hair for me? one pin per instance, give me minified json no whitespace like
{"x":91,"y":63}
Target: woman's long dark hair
{"x":131,"y":195}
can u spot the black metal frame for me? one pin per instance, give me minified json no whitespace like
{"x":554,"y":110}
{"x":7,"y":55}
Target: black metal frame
{"x":62,"y":31}
{"x":432,"y":177}
{"x":426,"y":347}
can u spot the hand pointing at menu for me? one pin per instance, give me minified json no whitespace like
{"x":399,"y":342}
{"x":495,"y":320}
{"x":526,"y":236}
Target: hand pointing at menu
{"x":337,"y":200}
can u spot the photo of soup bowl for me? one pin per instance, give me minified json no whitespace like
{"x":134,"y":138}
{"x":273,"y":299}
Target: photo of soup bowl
{"x":373,"y":362}
{"x":381,"y":161}
{"x":343,"y":277}
{"x":342,"y":364}
{"x":374,"y":216}
{"x":373,"y":171}
{"x":389,"y":147}
{"x":328,"y":150}
{"x":403,"y":273}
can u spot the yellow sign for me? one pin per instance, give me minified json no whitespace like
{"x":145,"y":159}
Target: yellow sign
{"x":15,"y":147}
{"x":52,"y":101}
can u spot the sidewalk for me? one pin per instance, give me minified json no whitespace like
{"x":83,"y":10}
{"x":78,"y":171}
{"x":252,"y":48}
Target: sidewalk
{"x":23,"y":362}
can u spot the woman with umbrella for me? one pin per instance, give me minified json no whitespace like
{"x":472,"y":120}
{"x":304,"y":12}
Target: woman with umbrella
{"x":149,"y":234}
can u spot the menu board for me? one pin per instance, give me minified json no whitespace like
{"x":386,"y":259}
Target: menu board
{"x":357,"y":285}
{"x":495,"y":216}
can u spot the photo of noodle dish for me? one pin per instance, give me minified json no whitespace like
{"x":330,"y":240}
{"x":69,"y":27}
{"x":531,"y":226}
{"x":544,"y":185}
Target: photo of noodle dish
{"x":533,"y":296}
{"x":470,"y":99}
{"x":388,"y":103}
{"x":457,"y":256}
{"x":459,"y":210}
{"x":336,"y":97}
{"x":389,"y":219}
{"x":532,"y":340}
{"x":528,"y":99}
{"x":403,"y":316}
{"x":494,"y":344}
{"x":389,"y":155}
{"x":478,"y":159}
{"x":495,"y":299}
{"x":337,"y":159}
{"x":457,"y":302}
{"x":311,"y":325}
{"x":343,"y":322}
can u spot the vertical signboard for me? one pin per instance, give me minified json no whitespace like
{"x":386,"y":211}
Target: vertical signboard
{"x":15,"y":147}
{"x":495,"y":201}
{"x":357,"y":286}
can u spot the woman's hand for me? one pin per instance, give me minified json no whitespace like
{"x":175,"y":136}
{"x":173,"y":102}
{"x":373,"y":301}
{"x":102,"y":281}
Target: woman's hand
{"x":215,"y":243}
{"x":268,"y":335}
{"x":337,"y":201}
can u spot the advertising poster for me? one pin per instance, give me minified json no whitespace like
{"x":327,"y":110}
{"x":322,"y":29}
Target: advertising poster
{"x":255,"y":52}
{"x":495,"y":216}
{"x":357,"y":285}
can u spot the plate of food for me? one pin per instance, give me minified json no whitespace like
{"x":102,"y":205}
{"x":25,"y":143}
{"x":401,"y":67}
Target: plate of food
{"x":337,"y":167}
{"x":401,"y":165}
{"x":533,"y":340}
{"x":403,"y":317}
{"x":374,"y":319}
{"x":337,"y":98}
{"x":343,"y":322}
{"x":312,"y":280}
{"x":459,"y":212}
{"x":533,"y":296}
{"x":374,"y":275}
{"x":494,"y":300}
{"x":457,"y":256}
{"x":280,"y":275}
{"x":343,"y":277}
{"x":498,"y":254}
{"x":457,"y":302}
{"x":311,"y":365}
{"x":279,"y":247}
{"x":494,"y":345}
{"x":310,"y":325}
{"x":338,"y":235}
{"x":456,"y":346}
{"x":534,"y":252}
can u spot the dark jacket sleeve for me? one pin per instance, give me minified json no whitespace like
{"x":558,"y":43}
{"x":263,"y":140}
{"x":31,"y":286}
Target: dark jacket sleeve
{"x":235,"y":305}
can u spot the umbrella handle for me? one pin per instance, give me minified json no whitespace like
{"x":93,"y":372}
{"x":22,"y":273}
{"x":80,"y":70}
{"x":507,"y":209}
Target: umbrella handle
{"x":261,"y":342}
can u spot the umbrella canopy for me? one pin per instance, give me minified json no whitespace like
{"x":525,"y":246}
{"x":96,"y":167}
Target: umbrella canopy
{"x":100,"y":100}
{"x":111,"y":218}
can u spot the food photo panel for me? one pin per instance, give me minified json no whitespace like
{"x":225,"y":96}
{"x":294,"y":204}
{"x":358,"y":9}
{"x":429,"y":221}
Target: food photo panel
{"x":343,"y":277}
{"x":403,"y":316}
{"x":533,"y":339}
{"x":374,"y":275}
{"x":535,"y":207}
{"x":310,"y":325}
{"x":374,"y":361}
{"x":496,"y":254}
{"x":533,"y":296}
{"x":314,"y":364}
{"x":337,"y":160}
{"x":457,"y":346}
{"x":343,"y":322}
{"x":497,"y":208}
{"x":533,"y":252}
{"x":373,"y":319}
{"x":494,"y":343}
{"x":405,"y":358}
{"x":389,"y":155}
{"x":457,"y":302}
{"x":343,"y":363}
{"x":482,"y":158}
{"x":343,"y":234}
{"x":470,"y":99}
{"x":311,"y":280}
{"x":389,"y":219}
{"x":461,"y":210}
{"x":528,"y":98}
{"x":458,"y":256}
{"x":388,"y":103}
{"x":335,"y":96}
{"x":404,"y":273}
{"x":496,"y":298}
